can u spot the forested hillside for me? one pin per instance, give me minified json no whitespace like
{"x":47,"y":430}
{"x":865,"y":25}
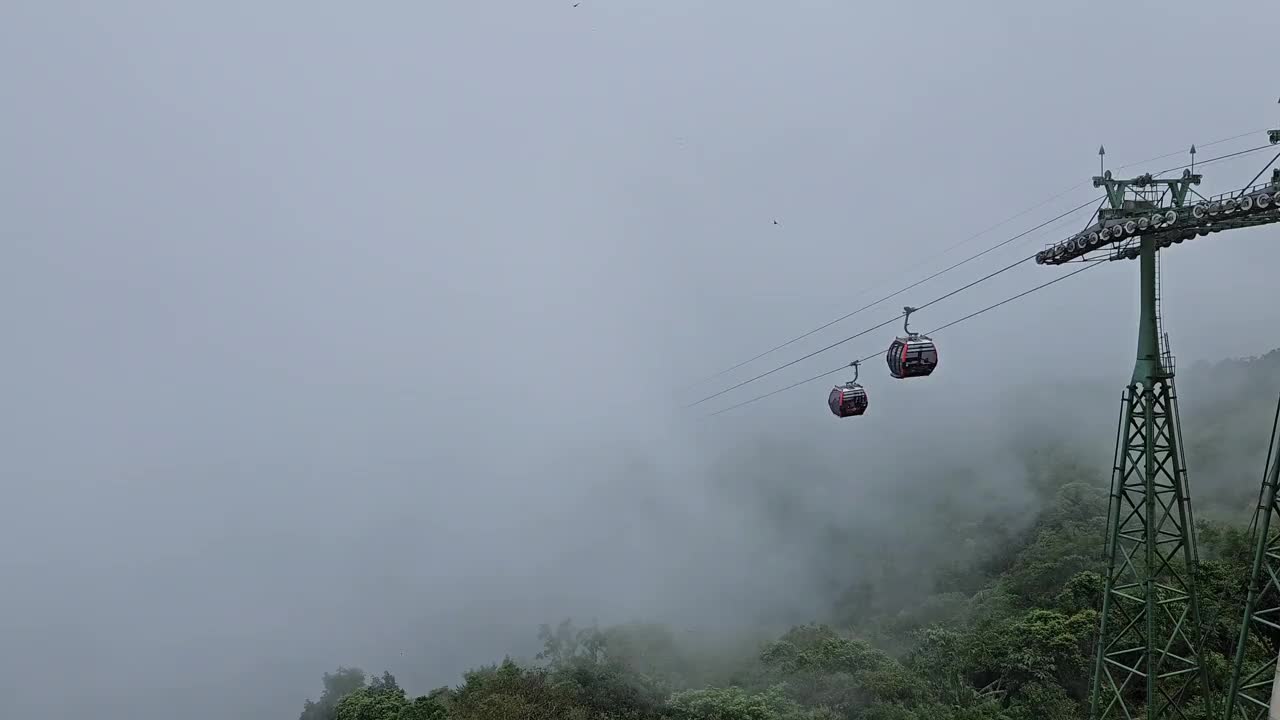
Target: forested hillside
{"x":998,"y":623}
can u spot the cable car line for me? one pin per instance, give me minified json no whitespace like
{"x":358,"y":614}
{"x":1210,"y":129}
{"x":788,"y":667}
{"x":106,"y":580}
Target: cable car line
{"x":931,"y":302}
{"x":1077,"y":186}
{"x":1024,"y":293}
{"x":973,"y":257}
{"x":1255,"y":177}
{"x":1215,"y":159}
{"x":806,"y":357}
{"x":789,"y":387}
{"x":897,"y":317}
{"x":1179,"y":152}
{"x":1073,"y":188}
{"x":1019,"y":236}
{"x":939,"y":329}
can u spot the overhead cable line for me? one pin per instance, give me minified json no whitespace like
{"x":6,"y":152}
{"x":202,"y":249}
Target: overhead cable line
{"x":806,"y":357}
{"x":1179,"y":152}
{"x":1077,"y":186}
{"x":1255,"y":177}
{"x":1215,"y":159}
{"x":916,"y":284}
{"x":931,"y":332}
{"x":977,"y":255}
{"x":934,"y":301}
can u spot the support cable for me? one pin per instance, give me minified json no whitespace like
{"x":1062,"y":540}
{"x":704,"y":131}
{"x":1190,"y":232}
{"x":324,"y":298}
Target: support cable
{"x":889,"y":297}
{"x":974,"y":257}
{"x":1215,"y":159}
{"x":934,"y":301}
{"x":1203,"y":145}
{"x":931,"y":332}
{"x":1265,"y":168}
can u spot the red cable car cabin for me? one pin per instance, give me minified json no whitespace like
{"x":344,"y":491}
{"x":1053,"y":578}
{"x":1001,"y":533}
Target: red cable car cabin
{"x":848,"y":400}
{"x":912,"y":356}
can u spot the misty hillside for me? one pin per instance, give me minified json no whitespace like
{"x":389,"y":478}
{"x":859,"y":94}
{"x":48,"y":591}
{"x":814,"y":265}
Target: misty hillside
{"x":956,"y":609}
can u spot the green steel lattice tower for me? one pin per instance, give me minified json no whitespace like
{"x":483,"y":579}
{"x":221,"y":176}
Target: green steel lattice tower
{"x":1148,"y":659}
{"x":1148,"y":656}
{"x":1250,"y":694}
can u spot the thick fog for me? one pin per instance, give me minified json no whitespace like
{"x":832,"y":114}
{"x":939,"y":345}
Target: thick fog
{"x":361,"y":334}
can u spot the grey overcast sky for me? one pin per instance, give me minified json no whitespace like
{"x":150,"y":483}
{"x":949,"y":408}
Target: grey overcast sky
{"x":353,"y":333}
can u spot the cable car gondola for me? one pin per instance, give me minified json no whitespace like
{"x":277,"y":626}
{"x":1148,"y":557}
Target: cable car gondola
{"x":912,"y":356}
{"x":849,"y":399}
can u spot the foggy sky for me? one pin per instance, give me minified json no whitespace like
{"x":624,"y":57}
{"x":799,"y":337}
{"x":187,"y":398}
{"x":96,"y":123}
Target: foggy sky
{"x":355,"y":335}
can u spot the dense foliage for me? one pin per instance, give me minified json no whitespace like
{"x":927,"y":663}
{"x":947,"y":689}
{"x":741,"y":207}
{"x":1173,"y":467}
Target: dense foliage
{"x":1005,"y":632}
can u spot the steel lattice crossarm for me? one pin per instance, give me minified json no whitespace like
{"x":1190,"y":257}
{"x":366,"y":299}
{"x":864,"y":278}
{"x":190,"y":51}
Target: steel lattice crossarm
{"x":1157,"y":208}
{"x":1257,"y":205}
{"x":1148,"y":206}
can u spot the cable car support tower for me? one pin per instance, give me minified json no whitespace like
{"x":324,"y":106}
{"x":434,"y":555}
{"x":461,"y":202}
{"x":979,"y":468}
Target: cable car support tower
{"x":1148,"y":661}
{"x":1253,"y":691}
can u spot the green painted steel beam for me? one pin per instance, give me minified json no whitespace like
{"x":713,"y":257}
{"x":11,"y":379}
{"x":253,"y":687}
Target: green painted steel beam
{"x":1148,"y":360}
{"x":1251,"y":688}
{"x":1148,"y":661}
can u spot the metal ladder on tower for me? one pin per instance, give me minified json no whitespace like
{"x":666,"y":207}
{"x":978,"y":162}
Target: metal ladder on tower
{"x":1168,"y":362}
{"x":1166,"y":353}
